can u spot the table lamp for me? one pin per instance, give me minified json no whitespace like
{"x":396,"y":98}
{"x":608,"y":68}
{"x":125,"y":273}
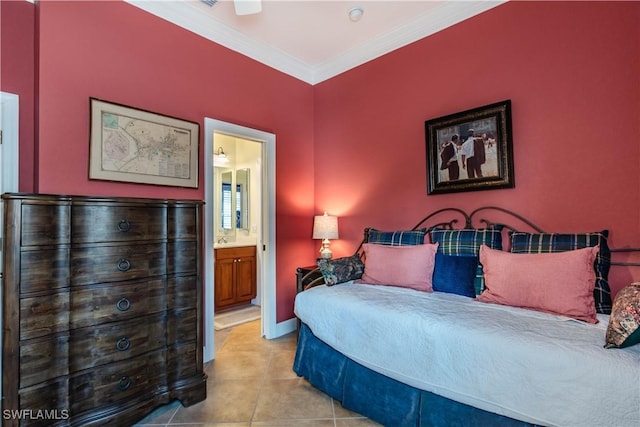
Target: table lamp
{"x":325,"y":227}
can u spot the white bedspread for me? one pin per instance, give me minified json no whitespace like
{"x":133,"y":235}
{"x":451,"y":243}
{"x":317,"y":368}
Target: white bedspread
{"x":527,"y":365}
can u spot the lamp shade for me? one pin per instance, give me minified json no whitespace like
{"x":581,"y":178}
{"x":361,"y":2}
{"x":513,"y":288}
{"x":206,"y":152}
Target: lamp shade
{"x":325,"y":227}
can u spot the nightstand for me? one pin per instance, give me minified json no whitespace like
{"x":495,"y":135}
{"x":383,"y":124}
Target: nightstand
{"x":308,"y":277}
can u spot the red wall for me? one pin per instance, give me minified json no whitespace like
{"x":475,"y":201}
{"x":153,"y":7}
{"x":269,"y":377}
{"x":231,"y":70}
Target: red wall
{"x":353,"y":145}
{"x":571,"y":70}
{"x":17,"y":76}
{"x":117,"y":52}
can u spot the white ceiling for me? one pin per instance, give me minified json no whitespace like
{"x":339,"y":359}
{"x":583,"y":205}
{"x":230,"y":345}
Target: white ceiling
{"x":314,"y":40}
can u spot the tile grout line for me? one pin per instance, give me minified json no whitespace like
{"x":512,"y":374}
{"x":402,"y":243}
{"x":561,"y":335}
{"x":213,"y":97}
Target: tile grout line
{"x":173,"y":416}
{"x":333,"y":411}
{"x":261,"y":388}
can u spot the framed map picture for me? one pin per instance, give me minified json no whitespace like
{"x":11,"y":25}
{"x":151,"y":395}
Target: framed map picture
{"x":132,"y":145}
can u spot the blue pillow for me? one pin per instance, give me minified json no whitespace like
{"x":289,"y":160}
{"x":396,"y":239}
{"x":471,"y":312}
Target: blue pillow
{"x":455,"y":274}
{"x":467,"y":242}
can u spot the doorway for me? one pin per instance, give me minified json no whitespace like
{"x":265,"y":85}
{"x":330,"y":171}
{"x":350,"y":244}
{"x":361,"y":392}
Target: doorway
{"x":264,"y":231}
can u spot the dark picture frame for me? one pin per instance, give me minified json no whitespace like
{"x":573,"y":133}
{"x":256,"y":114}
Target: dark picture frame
{"x":483,"y":140}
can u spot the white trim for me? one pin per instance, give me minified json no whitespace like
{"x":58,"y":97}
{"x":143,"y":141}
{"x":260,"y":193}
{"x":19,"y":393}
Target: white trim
{"x":9,"y":111}
{"x":267,"y":237}
{"x":448,"y":13}
{"x":286,"y":327}
{"x":9,"y":157}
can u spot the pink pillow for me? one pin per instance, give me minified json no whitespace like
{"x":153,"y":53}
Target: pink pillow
{"x":560,"y":283}
{"x":405,"y":266}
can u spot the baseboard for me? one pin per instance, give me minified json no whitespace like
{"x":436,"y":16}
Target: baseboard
{"x":286,"y":327}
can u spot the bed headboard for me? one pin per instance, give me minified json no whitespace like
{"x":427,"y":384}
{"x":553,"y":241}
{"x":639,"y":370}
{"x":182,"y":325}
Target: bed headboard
{"x":482,"y":217}
{"x":491,"y":217}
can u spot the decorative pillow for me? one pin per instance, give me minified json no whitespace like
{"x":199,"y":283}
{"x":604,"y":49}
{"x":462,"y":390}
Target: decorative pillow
{"x":560,"y":283}
{"x":555,"y":242}
{"x":624,"y":322}
{"x":341,"y":270}
{"x":396,"y":238}
{"x":405,"y":266}
{"x":455,"y":274}
{"x":468,"y":242}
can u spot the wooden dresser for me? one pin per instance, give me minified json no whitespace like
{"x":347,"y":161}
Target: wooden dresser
{"x":101,"y":308}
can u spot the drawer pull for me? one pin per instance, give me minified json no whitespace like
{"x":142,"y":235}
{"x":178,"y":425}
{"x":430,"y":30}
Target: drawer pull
{"x":123,"y":304}
{"x":123,"y":344}
{"x":124,"y":225}
{"x":123,"y":264}
{"x":124,"y":383}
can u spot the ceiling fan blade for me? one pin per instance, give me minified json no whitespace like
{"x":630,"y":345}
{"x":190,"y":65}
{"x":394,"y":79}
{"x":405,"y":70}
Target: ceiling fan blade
{"x":247,"y":7}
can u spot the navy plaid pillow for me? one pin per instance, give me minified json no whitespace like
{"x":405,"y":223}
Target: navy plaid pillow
{"x":396,"y":238}
{"x":468,"y":242}
{"x":555,"y":242}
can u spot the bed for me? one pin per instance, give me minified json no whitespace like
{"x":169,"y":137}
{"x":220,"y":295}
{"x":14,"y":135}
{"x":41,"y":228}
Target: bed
{"x":406,"y":356}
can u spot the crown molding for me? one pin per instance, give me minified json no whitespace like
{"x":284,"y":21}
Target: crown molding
{"x":191,"y":18}
{"x":445,"y":15}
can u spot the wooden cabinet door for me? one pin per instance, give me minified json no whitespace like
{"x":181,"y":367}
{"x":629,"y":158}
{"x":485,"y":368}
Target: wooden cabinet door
{"x":245,"y":279}
{"x":224,"y":283}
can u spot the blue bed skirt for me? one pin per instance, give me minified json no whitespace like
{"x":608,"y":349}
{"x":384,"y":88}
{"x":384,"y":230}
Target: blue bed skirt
{"x":380,"y":398}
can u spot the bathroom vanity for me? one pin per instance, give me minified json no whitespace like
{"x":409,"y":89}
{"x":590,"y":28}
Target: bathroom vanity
{"x":235,"y":276}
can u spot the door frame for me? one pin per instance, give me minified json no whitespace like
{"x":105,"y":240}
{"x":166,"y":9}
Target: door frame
{"x":9,"y":107}
{"x":9,"y":165}
{"x":266,"y":245}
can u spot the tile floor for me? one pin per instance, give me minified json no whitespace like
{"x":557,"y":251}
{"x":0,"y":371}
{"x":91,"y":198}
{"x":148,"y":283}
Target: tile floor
{"x":251,"y":383}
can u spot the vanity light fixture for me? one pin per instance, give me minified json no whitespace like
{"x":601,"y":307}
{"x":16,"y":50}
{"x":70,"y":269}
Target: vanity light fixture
{"x":220,"y":157}
{"x":355,"y":13}
{"x":325,"y":227}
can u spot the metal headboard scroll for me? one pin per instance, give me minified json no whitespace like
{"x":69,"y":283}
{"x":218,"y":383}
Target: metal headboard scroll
{"x":467,"y":219}
{"x":470,"y":218}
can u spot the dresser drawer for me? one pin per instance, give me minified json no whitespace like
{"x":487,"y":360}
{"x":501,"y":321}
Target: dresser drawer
{"x":109,"y":303}
{"x":182,"y":292}
{"x":100,"y":223}
{"x":182,"y":257}
{"x":45,"y":269}
{"x":105,"y":385}
{"x":98,"y":345}
{"x":100,"y":264}
{"x":45,"y":224}
{"x":238,"y":252}
{"x":183,"y":223}
{"x":43,"y":359}
{"x":52,"y":396}
{"x":44,"y":314}
{"x":181,"y":361}
{"x":182,"y":326}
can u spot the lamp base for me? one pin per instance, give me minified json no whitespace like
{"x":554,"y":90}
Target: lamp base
{"x":325,"y":252}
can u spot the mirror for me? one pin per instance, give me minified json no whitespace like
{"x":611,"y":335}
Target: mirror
{"x":226,"y":200}
{"x":242,"y":199}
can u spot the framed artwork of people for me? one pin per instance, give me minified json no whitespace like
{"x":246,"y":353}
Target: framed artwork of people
{"x":470,"y":150}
